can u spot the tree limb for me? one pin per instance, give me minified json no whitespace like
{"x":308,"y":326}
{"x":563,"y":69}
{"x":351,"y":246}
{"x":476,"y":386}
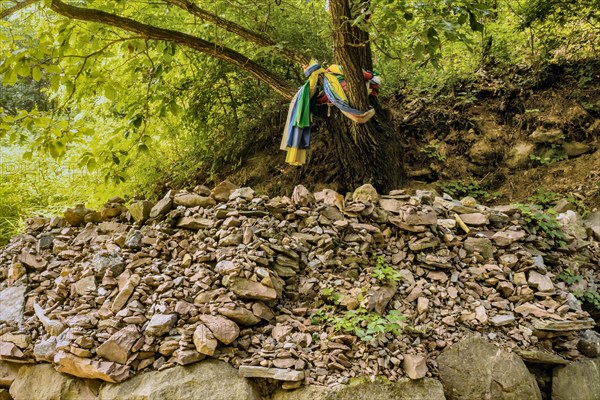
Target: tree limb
{"x":239,"y":30}
{"x":11,"y":10}
{"x":155,"y":33}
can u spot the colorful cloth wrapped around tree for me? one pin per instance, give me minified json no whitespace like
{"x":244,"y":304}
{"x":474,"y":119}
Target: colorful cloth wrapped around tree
{"x":296,"y":134}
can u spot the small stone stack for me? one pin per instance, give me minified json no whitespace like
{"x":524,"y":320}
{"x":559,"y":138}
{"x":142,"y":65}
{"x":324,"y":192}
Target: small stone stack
{"x":229,"y":274}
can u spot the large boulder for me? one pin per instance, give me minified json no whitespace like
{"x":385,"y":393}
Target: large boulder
{"x":476,"y":369}
{"x":207,"y":380}
{"x":8,"y":373}
{"x":579,"y":380}
{"x":362,"y":389}
{"x":42,"y":382}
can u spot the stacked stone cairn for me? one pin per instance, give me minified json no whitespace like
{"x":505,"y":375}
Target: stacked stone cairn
{"x":259,"y":282}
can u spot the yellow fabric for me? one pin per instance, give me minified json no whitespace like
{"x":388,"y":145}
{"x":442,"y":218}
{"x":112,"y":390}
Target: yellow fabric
{"x":295,"y":156}
{"x":314,"y":79}
{"x":360,"y":119}
{"x":336,"y":86}
{"x":335,"y":69}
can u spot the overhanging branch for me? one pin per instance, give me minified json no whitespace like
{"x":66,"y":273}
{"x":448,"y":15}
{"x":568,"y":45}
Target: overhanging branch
{"x":155,"y":33}
{"x":19,"y":6}
{"x":236,"y":29}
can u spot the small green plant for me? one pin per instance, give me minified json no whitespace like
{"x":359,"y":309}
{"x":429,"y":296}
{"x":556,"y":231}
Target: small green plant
{"x":551,"y":158}
{"x":385,"y":272}
{"x":432,"y":151}
{"x":569,"y":277}
{"x":539,"y":221}
{"x":365,"y":324}
{"x":590,"y":297}
{"x":318,"y":317}
{"x":582,"y":209}
{"x":330,"y":296}
{"x":544,"y":198}
{"x":470,"y":187}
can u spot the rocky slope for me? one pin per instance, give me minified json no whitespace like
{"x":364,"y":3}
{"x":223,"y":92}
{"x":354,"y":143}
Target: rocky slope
{"x":315,"y":289}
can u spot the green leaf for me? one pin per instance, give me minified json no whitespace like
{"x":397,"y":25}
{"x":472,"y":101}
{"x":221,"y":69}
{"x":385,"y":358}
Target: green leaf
{"x":53,"y":69}
{"x":37,"y":73}
{"x":110,"y":93}
{"x":24,"y":70}
{"x":475,"y":25}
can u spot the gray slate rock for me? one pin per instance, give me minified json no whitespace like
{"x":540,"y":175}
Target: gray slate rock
{"x":404,"y":389}
{"x":589,"y":343}
{"x":476,"y":369}
{"x":12,"y":300}
{"x":206,"y":380}
{"x":579,"y":380}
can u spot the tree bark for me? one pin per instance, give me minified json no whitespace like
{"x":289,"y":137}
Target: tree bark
{"x":368,"y":153}
{"x":151,"y":32}
{"x":11,"y":10}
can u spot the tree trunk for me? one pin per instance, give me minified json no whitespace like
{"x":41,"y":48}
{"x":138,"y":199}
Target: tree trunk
{"x":368,"y":153}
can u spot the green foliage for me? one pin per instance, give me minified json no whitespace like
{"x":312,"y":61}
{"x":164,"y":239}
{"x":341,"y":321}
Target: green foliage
{"x":330,"y":296}
{"x":385,"y":272}
{"x":590,"y":297}
{"x":467,"y":187}
{"x":569,"y":277}
{"x":432,"y":151}
{"x":549,"y":159}
{"x":146,"y":115}
{"x":544,"y":198}
{"x":538,"y":221}
{"x":40,"y":186}
{"x":365,"y":325}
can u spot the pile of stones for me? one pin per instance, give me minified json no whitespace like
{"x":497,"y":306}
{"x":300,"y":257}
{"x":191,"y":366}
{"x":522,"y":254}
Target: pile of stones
{"x":268,"y":284}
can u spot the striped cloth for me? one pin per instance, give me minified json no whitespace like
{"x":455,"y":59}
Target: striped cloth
{"x":296,"y":134}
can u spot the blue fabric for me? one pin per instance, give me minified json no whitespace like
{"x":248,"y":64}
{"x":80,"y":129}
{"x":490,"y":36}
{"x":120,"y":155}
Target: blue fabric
{"x":297,"y":137}
{"x":343,"y":106}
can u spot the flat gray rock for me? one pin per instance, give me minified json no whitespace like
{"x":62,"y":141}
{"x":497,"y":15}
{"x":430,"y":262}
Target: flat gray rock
{"x":280,"y":374}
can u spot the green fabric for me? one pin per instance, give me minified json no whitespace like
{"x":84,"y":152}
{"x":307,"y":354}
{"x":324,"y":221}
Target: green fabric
{"x":303,"y":111}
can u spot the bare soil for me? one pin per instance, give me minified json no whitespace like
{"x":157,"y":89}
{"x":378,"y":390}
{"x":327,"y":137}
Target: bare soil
{"x":468,"y":133}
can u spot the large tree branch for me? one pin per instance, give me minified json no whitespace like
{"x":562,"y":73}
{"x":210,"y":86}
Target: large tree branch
{"x":11,"y":10}
{"x":154,"y":33}
{"x":239,"y":30}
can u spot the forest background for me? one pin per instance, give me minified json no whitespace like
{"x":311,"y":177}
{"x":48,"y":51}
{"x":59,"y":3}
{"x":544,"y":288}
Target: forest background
{"x":89,"y":111}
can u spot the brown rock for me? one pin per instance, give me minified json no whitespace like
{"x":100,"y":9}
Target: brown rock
{"x":475,"y":219}
{"x":223,"y":190}
{"x":262,"y":311}
{"x":279,"y":374}
{"x":380,"y":297}
{"x":90,"y":369}
{"x":163,"y":206}
{"x":365,"y":193}
{"x":542,"y":282}
{"x":75,"y":216}
{"x":160,"y":324}
{"x":140,"y":210}
{"x":36,"y":262}
{"x":187,"y":199}
{"x":240,"y":315}
{"x":195,"y":222}
{"x":125,"y":293}
{"x":506,"y":238}
{"x":118,"y":347}
{"x":204,"y":340}
{"x":223,"y":329}
{"x":414,"y":366}
{"x":247,"y":289}
{"x":8,"y":373}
